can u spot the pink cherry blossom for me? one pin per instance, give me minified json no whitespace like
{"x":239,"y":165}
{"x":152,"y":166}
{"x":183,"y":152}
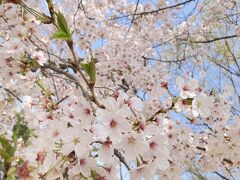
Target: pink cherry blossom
{"x":202,"y":105}
{"x":133,"y":145}
{"x":75,"y":139}
{"x":121,"y":89}
{"x":187,"y":88}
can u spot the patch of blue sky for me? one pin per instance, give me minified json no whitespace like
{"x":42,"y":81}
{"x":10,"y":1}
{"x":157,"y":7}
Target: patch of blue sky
{"x":44,"y":8}
{"x":142,"y":94}
{"x":1,"y":40}
{"x":99,"y":43}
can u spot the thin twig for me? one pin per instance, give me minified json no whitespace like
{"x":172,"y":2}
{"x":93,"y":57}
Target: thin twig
{"x":61,"y":100}
{"x":223,"y":177}
{"x":10,"y":92}
{"x":70,"y":76}
{"x":214,"y":39}
{"x":157,"y":10}
{"x":133,"y":18}
{"x":151,"y":118}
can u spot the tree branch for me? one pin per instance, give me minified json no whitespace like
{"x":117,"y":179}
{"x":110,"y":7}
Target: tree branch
{"x":10,"y":92}
{"x":223,"y":177}
{"x":151,"y":118}
{"x":157,"y":10}
{"x":70,"y":76}
{"x":215,"y":39}
{"x":121,"y":158}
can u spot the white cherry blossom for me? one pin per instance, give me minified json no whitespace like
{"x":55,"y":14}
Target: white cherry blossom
{"x":187,"y":88}
{"x":133,"y":145}
{"x":202,"y":105}
{"x":75,"y":139}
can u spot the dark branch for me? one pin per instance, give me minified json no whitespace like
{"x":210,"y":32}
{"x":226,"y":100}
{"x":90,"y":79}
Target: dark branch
{"x":223,"y":177}
{"x":61,"y":100}
{"x":215,"y":39}
{"x":164,"y":8}
{"x":157,"y":10}
{"x":10,"y":92}
{"x":133,"y":18}
{"x":121,"y":158}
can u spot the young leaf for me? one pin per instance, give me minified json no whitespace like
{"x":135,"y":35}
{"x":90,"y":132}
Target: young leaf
{"x":93,"y":174}
{"x":11,"y":171}
{"x":7,"y":152}
{"x":1,"y":166}
{"x":11,"y":177}
{"x":4,"y":155}
{"x":61,"y":35}
{"x":90,"y":69}
{"x":63,"y":32}
{"x":5,"y":143}
{"x":20,"y":130}
{"x":62,"y":23}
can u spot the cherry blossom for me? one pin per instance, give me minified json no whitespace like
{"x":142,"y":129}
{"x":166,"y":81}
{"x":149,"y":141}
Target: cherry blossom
{"x":84,"y":166}
{"x":119,"y":89}
{"x":187,"y":88}
{"x":39,"y":57}
{"x":140,"y":172}
{"x":74,"y":138}
{"x":134,"y":145}
{"x":202,"y":105}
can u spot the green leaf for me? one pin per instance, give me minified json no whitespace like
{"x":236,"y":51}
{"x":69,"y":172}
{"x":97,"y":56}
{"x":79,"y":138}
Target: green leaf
{"x":20,"y":130}
{"x":12,"y":151}
{"x":63,"y":32}
{"x":62,"y":23}
{"x":11,"y":177}
{"x":19,"y":161}
{"x":95,"y":149}
{"x":11,"y":171}
{"x":5,"y":143}
{"x":60,"y":34}
{"x":93,"y":174}
{"x":1,"y":165}
{"x":90,"y":69}
{"x":4,"y":154}
{"x":7,"y":152}
{"x":32,"y":63}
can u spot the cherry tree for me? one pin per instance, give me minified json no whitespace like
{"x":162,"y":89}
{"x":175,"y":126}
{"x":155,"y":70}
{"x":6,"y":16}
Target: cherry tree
{"x":119,"y":89}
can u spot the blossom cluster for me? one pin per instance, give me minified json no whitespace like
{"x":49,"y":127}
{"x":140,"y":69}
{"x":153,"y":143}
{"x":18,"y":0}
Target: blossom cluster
{"x":71,"y":109}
